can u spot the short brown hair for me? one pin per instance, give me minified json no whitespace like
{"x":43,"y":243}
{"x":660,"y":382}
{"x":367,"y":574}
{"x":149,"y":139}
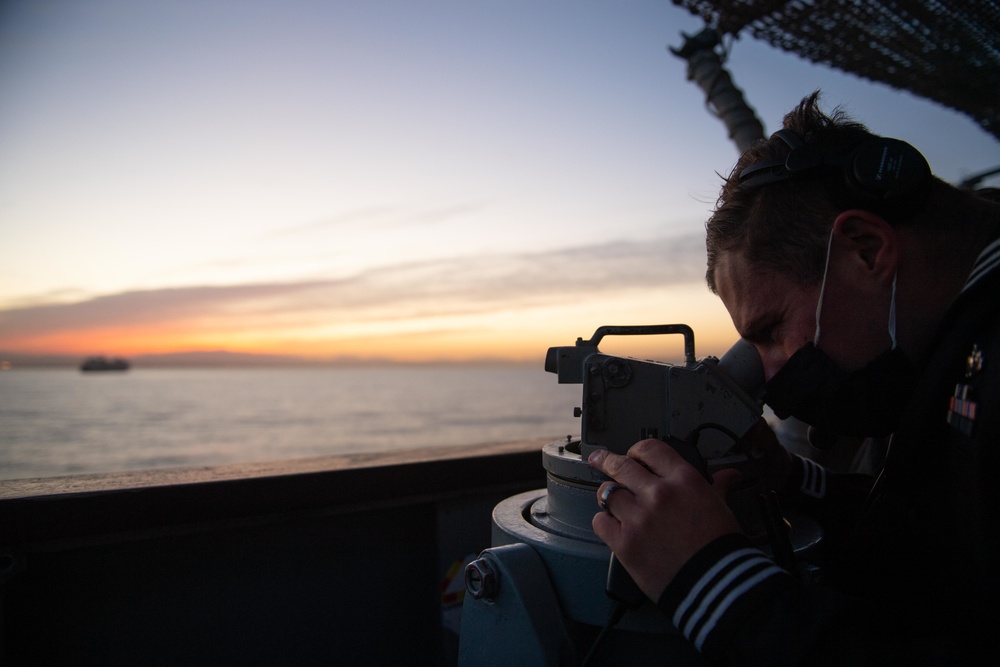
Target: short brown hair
{"x":785,"y":226}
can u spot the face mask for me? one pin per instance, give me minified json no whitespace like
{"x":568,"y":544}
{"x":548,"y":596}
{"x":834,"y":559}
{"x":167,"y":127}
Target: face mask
{"x":814,"y":388}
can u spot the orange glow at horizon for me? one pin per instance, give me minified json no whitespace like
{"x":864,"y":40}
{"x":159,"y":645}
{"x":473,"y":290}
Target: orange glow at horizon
{"x":510,"y":335}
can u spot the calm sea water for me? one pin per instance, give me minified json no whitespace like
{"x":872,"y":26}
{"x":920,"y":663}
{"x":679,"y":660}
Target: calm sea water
{"x":57,"y":422}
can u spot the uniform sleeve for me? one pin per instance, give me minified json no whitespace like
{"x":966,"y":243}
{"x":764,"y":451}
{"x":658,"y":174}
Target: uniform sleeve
{"x":738,"y":608}
{"x":835,"y":499}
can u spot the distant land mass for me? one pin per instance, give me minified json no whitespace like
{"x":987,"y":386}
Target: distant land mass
{"x":219,"y":359}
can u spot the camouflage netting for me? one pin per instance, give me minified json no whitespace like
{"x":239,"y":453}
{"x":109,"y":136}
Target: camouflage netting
{"x":945,"y":50}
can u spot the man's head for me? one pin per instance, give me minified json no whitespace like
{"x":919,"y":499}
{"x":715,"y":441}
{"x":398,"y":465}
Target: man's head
{"x":820,"y":267}
{"x":770,"y":239}
{"x":778,"y":229}
{"x":784,"y":226}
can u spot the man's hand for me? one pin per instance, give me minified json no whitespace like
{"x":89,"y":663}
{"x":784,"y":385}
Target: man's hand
{"x":664,"y":514}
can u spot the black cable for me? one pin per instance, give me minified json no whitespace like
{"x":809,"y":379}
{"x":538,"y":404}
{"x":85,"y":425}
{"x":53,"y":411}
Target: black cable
{"x":618,"y":610}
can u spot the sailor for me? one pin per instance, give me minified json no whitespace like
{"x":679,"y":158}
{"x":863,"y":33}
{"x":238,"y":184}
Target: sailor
{"x":870,"y":289}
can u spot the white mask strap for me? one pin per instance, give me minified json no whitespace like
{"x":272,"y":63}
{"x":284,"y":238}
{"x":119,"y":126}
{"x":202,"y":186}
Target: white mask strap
{"x":822,"y":292}
{"x":892,"y":312}
{"x":822,"y":288}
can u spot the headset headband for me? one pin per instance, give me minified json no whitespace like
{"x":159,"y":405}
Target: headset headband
{"x":879,"y":169}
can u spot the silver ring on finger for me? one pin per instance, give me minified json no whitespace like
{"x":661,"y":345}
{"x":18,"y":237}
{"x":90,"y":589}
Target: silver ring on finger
{"x":602,"y":497}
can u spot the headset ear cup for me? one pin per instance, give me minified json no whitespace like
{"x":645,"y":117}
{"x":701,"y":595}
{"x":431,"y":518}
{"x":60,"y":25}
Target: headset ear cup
{"x":884,"y":169}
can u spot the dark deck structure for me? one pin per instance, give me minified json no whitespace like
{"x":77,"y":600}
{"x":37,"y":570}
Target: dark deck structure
{"x":944,"y":50}
{"x":313,"y":562}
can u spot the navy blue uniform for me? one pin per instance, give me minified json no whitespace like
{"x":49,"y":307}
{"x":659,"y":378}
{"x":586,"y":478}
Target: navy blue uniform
{"x":910,"y":561}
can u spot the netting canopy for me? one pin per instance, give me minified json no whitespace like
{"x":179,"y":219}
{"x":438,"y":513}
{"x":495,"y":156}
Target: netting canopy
{"x":945,"y":50}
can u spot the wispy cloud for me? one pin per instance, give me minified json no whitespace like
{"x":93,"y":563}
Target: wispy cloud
{"x":135,"y":308}
{"x":384,"y":216}
{"x":463,"y":285}
{"x":439,"y":215}
{"x":361,"y":215}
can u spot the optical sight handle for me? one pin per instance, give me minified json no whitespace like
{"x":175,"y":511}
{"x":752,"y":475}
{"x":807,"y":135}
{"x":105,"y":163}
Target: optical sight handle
{"x":621,"y":587}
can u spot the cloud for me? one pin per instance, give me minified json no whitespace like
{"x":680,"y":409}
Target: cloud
{"x":462,"y":285}
{"x":443,"y":214}
{"x":135,"y":308}
{"x":384,"y":216}
{"x":362,"y":215}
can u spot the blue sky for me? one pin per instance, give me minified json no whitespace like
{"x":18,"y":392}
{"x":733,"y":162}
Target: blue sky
{"x":435,"y":179}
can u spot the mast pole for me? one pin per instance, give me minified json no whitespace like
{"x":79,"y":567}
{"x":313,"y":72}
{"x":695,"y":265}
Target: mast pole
{"x":722,"y":97}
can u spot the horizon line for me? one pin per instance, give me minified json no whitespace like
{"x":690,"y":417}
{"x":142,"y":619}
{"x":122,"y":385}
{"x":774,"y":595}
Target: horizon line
{"x":230,"y":359}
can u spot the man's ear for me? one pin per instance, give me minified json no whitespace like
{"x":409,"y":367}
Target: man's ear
{"x":869,"y":240}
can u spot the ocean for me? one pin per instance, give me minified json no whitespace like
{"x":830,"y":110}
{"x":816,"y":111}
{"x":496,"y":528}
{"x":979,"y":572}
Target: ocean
{"x":62,"y":421}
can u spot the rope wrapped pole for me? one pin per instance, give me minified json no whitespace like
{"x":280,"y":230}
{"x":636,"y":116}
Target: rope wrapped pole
{"x":722,"y":97}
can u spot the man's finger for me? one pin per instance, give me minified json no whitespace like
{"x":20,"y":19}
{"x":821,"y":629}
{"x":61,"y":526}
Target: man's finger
{"x":726,"y":481}
{"x":612,"y":496}
{"x":622,"y":469}
{"x":659,"y":457}
{"x":608,"y":528}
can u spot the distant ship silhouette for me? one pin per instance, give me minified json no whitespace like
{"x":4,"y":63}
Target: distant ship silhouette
{"x":104,"y":364}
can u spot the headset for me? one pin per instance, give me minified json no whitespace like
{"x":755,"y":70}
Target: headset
{"x":878,"y":169}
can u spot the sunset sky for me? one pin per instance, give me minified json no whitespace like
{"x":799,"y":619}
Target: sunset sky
{"x":439,"y":179}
